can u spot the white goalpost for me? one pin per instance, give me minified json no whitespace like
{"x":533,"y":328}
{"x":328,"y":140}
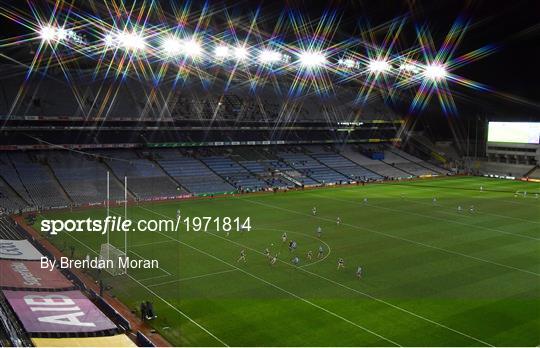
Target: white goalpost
{"x":115,"y":259}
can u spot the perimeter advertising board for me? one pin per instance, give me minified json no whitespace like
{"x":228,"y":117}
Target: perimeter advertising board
{"x":29,"y":274}
{"x":18,"y":249}
{"x":59,"y":312}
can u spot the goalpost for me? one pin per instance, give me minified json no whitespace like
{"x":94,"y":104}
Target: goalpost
{"x":114,"y":258}
{"x":108,"y":251}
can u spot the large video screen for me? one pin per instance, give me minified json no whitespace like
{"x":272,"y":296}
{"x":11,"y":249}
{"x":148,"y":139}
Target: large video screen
{"x":514,"y":132}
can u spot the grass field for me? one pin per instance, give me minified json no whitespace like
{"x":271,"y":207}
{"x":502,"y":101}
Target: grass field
{"x":433,"y":276}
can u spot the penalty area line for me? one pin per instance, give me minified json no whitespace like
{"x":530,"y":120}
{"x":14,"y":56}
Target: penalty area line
{"x":274,"y":285}
{"x":179,"y":311}
{"x":194,"y":277}
{"x":366,"y":294}
{"x":161,"y":298}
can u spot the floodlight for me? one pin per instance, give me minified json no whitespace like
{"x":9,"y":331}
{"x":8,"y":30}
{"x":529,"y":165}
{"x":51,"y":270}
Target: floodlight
{"x":312,"y":59}
{"x":172,"y":46}
{"x":47,"y":33}
{"x":269,"y":56}
{"x":435,"y":72}
{"x":191,"y":48}
{"x":109,"y":39}
{"x":378,"y":66}
{"x":130,"y":40}
{"x":348,"y":63}
{"x":240,"y":53}
{"x":409,"y":67}
{"x":61,"y":34}
{"x":221,"y":51}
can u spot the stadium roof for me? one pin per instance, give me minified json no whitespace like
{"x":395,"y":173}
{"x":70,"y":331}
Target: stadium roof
{"x":489,"y":49}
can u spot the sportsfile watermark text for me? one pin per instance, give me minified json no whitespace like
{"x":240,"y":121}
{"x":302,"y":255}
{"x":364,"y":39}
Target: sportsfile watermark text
{"x":121,"y":224}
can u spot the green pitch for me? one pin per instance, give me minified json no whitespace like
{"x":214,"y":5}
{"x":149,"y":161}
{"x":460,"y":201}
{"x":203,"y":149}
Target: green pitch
{"x":433,"y":276}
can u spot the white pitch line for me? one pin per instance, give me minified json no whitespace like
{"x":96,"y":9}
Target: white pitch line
{"x":156,"y":277}
{"x":150,"y":243}
{"x":194,"y":277}
{"x":264,"y":228}
{"x":305,"y":234}
{"x":273,"y":285}
{"x":95,"y":252}
{"x":143,"y":258}
{"x":337,"y":283}
{"x":366,"y":294}
{"x":77,"y":240}
{"x":293,"y":294}
{"x":456,"y":193}
{"x":162,"y":299}
{"x":407,"y":240}
{"x":429,"y":217}
{"x":480,"y":212}
{"x":502,"y":200}
{"x":383,"y":301}
{"x":179,"y":311}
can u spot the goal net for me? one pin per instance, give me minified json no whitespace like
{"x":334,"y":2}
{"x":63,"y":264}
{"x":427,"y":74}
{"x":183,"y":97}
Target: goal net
{"x":115,"y":259}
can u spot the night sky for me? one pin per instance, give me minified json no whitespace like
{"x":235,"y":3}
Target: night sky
{"x":514,"y":26}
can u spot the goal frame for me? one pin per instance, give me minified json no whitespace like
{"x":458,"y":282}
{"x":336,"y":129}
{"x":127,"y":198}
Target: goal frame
{"x":108,"y":253}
